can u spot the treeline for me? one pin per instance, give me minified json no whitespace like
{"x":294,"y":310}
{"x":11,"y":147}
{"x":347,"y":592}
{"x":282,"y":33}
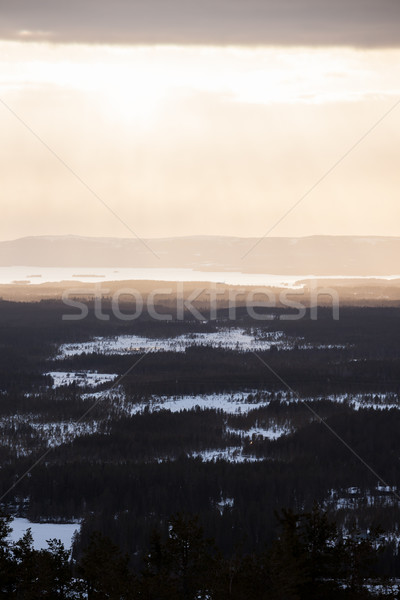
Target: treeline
{"x":371,"y":330}
{"x":309,"y":559}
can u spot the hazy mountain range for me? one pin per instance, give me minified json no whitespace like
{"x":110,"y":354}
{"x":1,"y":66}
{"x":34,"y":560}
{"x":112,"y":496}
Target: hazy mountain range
{"x":316,"y":255}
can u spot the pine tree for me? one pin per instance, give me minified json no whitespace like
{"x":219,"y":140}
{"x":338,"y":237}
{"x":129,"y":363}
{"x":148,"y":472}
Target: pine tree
{"x":190,"y":558}
{"x":26,"y":562}
{"x":105,"y":572}
{"x":55,"y":571}
{"x":7,"y":571}
{"x":288,"y":560}
{"x":183,"y":567}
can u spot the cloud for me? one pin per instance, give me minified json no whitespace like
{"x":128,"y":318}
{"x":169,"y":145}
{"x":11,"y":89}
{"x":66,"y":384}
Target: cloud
{"x":361,"y":23}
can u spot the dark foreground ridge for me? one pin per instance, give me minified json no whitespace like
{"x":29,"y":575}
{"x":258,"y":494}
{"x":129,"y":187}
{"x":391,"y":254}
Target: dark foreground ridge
{"x":309,"y":559}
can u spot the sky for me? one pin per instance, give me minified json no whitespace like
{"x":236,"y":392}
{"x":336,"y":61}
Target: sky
{"x":169,"y":118}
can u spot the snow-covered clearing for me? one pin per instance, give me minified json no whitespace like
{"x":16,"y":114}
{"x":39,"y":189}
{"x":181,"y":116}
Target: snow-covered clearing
{"x":235,"y":403}
{"x":377,"y":589}
{"x":61,"y":432}
{"x":227,"y":338}
{"x":270,"y":433}
{"x":375,"y":401}
{"x":80,"y":378}
{"x":24,"y":433}
{"x":232,"y":454}
{"x":352,"y":498}
{"x":241,"y":402}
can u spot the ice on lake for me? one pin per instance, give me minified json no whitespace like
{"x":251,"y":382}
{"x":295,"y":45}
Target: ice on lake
{"x":41,"y":532}
{"x":99,"y":275}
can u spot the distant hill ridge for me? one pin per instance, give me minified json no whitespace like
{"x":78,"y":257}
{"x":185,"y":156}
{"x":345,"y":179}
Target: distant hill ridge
{"x":315,"y":255}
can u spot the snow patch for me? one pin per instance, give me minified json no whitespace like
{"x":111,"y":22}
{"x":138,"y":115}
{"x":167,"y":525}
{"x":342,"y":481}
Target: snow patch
{"x":232,"y":454}
{"x":234,"y":403}
{"x":228,"y":338}
{"x":81,"y":378}
{"x":269,"y":433}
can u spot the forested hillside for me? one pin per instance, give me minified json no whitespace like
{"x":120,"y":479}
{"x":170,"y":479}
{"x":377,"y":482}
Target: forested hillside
{"x":143,"y":420}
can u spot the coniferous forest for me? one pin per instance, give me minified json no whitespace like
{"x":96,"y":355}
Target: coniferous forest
{"x":266,"y":468}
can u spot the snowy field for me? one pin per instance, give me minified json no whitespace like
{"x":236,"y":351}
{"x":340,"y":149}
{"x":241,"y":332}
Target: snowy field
{"x":240,"y":402}
{"x":232,"y":454}
{"x":49,"y":435}
{"x":41,"y":532}
{"x":270,"y":433}
{"x":61,"y":432}
{"x":81,"y":378}
{"x":229,"y":338}
{"x":374,"y":401}
{"x":229,"y":403}
{"x":353,"y":498}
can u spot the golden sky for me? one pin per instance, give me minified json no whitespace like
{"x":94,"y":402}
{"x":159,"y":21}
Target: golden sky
{"x":181,"y":140}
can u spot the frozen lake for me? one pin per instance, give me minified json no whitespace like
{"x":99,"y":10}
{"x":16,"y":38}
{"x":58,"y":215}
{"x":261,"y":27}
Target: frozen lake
{"x":44,"y":531}
{"x":37,"y":275}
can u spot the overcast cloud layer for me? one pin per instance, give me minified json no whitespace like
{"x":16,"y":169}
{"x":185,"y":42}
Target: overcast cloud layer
{"x":363,"y":23}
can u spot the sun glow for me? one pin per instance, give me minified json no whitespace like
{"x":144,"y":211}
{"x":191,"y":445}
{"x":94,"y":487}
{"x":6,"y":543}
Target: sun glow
{"x":172,"y":136}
